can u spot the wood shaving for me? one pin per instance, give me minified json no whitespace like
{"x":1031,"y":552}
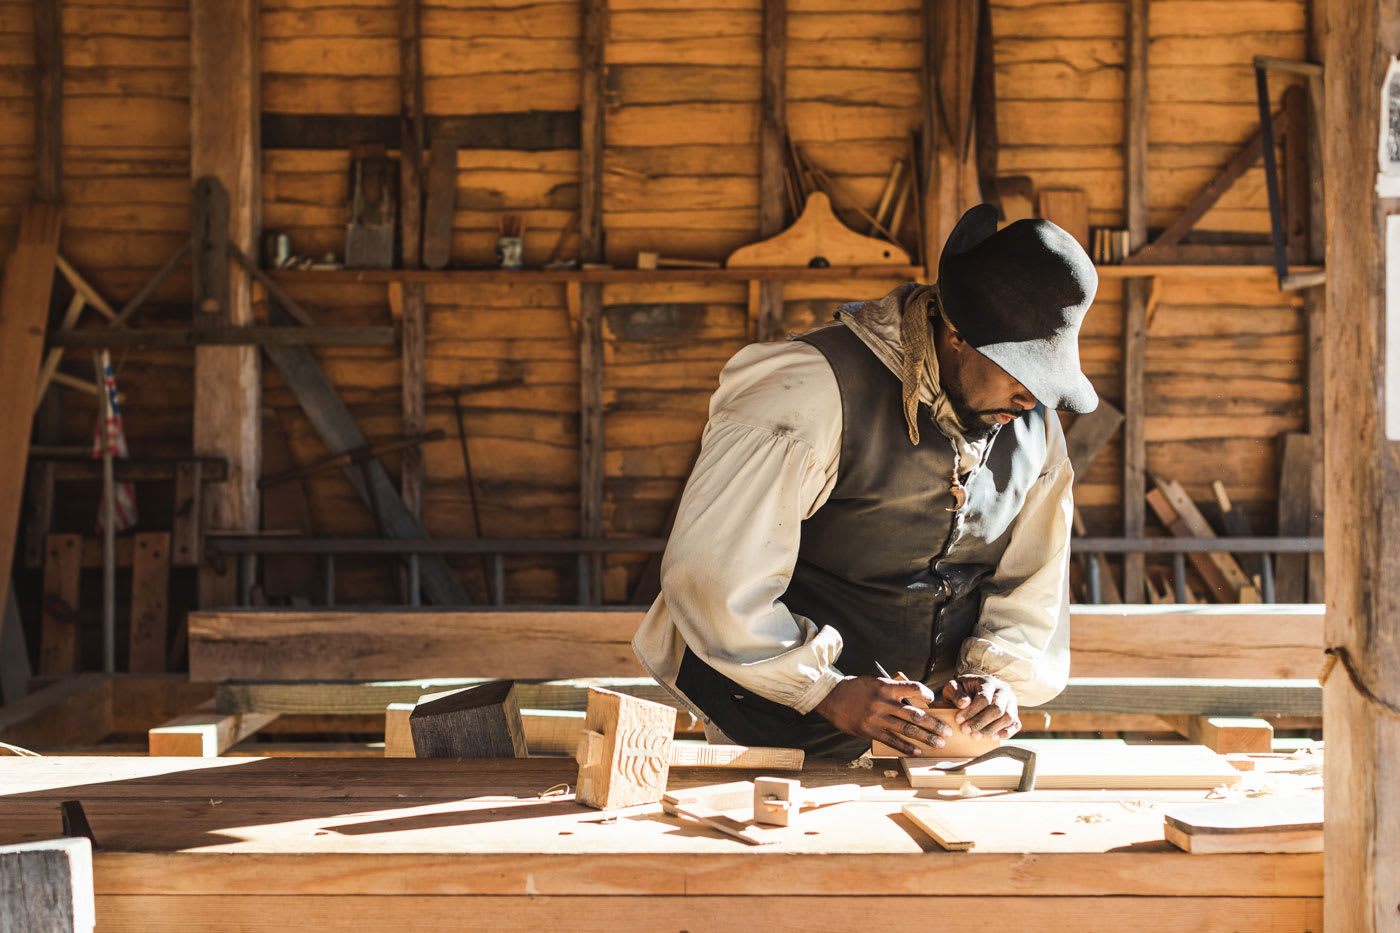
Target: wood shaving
{"x":1092,"y":818}
{"x":968,"y":789}
{"x":891,"y":774}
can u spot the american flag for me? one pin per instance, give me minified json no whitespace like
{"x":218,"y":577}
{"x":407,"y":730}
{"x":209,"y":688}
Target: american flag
{"x":125,"y":493}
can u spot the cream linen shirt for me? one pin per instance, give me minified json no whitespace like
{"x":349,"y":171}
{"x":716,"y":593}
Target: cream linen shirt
{"x":768,"y":460}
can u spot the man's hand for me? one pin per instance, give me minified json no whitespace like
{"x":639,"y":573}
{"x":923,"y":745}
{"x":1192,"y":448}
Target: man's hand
{"x":986,"y":705}
{"x":875,"y":708}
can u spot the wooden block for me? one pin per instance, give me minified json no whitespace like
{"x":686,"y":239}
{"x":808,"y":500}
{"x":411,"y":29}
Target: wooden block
{"x":932,"y":820}
{"x":204,"y":733}
{"x":647,"y":260}
{"x":1068,"y":209}
{"x":704,"y":755}
{"x":442,"y":192}
{"x":150,"y":612}
{"x":958,"y":745}
{"x":1089,"y":434}
{"x":1090,"y":765}
{"x":1226,"y":734}
{"x":624,"y":754}
{"x":778,"y":801}
{"x":58,"y":639}
{"x":1292,"y":824}
{"x":186,"y":540}
{"x":478,"y":722}
{"x":398,"y":737}
{"x":46,"y":887}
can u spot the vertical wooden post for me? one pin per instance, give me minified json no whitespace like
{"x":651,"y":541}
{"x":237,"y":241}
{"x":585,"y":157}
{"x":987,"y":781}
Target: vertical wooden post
{"x":59,"y":649}
{"x":150,"y":607}
{"x":1315,"y":299}
{"x":772,"y":145}
{"x":590,"y":329}
{"x":414,"y":318}
{"x":1361,"y":701}
{"x":949,"y":170}
{"x":224,"y":144}
{"x":1135,"y":297}
{"x":48,"y":100}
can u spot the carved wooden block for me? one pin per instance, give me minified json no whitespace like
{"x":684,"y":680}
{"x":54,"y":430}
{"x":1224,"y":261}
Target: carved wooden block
{"x":478,"y":722}
{"x":624,"y":752}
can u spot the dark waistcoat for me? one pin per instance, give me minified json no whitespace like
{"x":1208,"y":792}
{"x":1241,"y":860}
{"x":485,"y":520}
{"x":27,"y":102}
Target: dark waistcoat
{"x":886,"y":560}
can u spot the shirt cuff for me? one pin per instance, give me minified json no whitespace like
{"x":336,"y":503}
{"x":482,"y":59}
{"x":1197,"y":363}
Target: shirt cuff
{"x":814,"y":694}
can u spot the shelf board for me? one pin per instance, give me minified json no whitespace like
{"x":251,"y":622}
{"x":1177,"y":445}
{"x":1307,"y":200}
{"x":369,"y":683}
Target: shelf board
{"x":1135,"y":270}
{"x":547,"y":276}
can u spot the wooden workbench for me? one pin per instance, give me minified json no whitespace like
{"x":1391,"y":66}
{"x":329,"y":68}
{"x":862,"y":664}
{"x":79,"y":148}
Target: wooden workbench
{"x":407,"y":844}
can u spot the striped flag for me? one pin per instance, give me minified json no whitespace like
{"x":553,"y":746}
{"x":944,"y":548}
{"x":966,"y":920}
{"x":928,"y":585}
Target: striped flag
{"x":114,"y":436}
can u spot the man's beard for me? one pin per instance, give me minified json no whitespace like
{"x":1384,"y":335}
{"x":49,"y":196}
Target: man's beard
{"x":974,"y":420}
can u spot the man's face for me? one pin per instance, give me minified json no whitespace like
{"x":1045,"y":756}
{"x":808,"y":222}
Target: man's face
{"x":982,"y":393}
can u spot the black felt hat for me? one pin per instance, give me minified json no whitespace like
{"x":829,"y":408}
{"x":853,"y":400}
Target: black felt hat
{"x":1018,"y":296}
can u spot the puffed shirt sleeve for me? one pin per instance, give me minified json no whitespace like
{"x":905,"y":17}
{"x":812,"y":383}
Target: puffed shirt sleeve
{"x":768,"y":460}
{"x":1022,"y":635}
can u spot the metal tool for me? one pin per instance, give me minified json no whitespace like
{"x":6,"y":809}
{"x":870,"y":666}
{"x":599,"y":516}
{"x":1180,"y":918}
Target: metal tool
{"x":75,"y":822}
{"x":1024,"y":755}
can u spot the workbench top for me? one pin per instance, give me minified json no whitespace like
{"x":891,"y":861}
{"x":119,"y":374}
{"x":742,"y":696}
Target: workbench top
{"x":221,"y":844}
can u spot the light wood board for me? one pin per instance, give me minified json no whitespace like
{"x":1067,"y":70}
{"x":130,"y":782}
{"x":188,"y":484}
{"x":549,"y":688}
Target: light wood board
{"x":1118,"y":767}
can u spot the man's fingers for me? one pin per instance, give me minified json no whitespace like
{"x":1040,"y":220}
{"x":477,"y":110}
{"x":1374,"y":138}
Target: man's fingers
{"x":954,"y":693}
{"x":915,"y":731}
{"x":913,"y":690}
{"x":973,"y":707}
{"x":985,"y":718}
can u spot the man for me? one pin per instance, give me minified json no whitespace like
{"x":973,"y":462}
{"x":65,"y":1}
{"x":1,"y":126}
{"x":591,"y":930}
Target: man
{"x":887,"y":493}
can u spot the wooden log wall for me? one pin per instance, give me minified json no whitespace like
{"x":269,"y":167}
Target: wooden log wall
{"x":1225,"y":357}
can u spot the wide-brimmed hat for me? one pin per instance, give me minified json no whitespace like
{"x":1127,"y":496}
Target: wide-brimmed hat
{"x":1018,"y":295}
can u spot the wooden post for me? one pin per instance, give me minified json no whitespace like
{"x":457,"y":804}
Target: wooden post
{"x":590,"y":330}
{"x":949,"y":169}
{"x":59,"y":650}
{"x":1361,"y":702}
{"x":414,"y":323}
{"x":772,"y":147}
{"x":1135,"y":297}
{"x":150,"y":607}
{"x":224,"y":114}
{"x":48,"y":100}
{"x":47,"y":885}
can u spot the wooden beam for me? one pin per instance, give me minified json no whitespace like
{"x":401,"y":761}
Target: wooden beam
{"x":224,"y":112}
{"x":1166,"y":696}
{"x":24,"y":311}
{"x":47,"y":885}
{"x":204,"y":732}
{"x":48,"y":101}
{"x":1226,"y":734}
{"x":71,"y":711}
{"x":772,"y":162}
{"x":1135,"y":294}
{"x":593,"y":40}
{"x":1294,"y":515}
{"x":1362,"y":706}
{"x":1315,"y":307}
{"x":474,"y":722}
{"x":411,"y":134}
{"x":273,"y":644}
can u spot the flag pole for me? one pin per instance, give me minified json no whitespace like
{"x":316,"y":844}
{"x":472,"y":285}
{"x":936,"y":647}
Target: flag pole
{"x":102,"y":360}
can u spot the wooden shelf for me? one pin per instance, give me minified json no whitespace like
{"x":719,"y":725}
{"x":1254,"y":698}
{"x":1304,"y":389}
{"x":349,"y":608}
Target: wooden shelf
{"x":771,"y":273}
{"x":547,"y":276}
{"x":1136,"y":270}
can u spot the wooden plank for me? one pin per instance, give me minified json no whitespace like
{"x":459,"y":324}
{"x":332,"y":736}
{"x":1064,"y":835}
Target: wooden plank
{"x":1296,"y":210}
{"x":530,"y":131}
{"x":48,"y":101}
{"x":592,"y":42}
{"x":24,"y":309}
{"x":1169,"y":915}
{"x":767,"y":316}
{"x":1187,"y":697}
{"x":187,"y":516}
{"x":413,"y":352}
{"x":1110,"y":767}
{"x":475,"y":722}
{"x":46,"y":887}
{"x":398,"y":737}
{"x":359,"y":697}
{"x":150,"y":610}
{"x":935,"y":821}
{"x":1186,"y":509}
{"x":1138,"y":641}
{"x":1315,"y":307}
{"x":1135,"y":182}
{"x":1220,"y":585}
{"x":1289,"y":825}
{"x":72,"y":711}
{"x":224,"y":110}
{"x":204,"y":732}
{"x":39,"y":524}
{"x":1294,"y":515}
{"x":1172,"y":234}
{"x":1226,"y":734}
{"x":411,"y":136}
{"x":550,"y":731}
{"x":1237,"y":526}
{"x":442,"y":203}
{"x":704,"y":755}
{"x":1362,"y":721}
{"x":59,"y":648}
